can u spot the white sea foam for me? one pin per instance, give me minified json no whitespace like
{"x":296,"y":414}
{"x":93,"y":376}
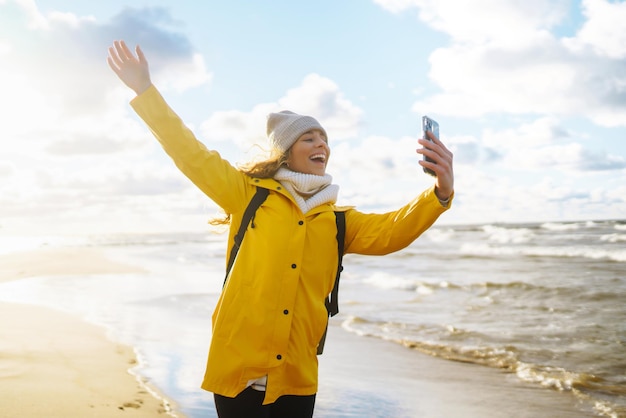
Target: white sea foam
{"x":508,"y":235}
{"x":613,"y":238}
{"x":539,"y":251}
{"x":385,"y":280}
{"x":440,"y":234}
{"x":553,"y":226}
{"x":12,"y":244}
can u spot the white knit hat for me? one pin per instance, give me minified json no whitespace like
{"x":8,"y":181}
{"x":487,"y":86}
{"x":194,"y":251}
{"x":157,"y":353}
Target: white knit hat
{"x":285,"y":127}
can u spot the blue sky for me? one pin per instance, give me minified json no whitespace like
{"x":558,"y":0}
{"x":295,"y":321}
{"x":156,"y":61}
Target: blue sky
{"x":530,"y":97}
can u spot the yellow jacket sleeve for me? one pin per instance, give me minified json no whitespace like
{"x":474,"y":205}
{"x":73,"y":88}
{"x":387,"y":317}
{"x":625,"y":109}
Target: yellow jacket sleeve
{"x":216,"y":177}
{"x":379,"y":234}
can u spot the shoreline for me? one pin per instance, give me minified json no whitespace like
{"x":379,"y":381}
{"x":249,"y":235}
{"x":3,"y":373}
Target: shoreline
{"x":367,"y":376}
{"x":65,"y":261}
{"x":55,"y":364}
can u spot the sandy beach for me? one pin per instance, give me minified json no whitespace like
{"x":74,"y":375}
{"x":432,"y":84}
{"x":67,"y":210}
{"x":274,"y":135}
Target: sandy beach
{"x":54,"y":364}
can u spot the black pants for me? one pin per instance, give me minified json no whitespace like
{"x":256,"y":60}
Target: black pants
{"x":249,"y":404}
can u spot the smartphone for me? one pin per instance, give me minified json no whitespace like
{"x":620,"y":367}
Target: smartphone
{"x":431,"y":125}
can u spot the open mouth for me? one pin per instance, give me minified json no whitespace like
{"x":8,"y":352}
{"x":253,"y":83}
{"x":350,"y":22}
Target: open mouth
{"x":318,"y":158}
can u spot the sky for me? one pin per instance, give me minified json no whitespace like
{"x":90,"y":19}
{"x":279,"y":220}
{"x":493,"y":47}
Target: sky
{"x":530,"y":97}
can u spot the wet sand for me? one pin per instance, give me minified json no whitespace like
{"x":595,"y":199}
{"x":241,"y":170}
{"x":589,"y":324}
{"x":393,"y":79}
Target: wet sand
{"x":53,"y":364}
{"x":369,"y":377}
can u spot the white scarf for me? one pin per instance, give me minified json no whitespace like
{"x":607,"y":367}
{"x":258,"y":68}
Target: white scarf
{"x":308,"y":190}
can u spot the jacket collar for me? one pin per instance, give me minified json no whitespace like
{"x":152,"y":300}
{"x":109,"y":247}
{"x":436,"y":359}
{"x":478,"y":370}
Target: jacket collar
{"x":274,"y":185}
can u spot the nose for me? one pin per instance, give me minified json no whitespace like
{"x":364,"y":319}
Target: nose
{"x":320,"y":140}
{"x":321,"y":144}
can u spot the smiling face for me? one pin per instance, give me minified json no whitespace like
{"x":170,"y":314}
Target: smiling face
{"x":310,"y":153}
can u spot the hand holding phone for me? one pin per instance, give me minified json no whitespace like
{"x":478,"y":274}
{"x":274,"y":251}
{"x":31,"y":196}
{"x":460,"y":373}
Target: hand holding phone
{"x":429,"y":125}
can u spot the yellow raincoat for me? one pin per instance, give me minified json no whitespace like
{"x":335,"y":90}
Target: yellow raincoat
{"x":271,"y":313}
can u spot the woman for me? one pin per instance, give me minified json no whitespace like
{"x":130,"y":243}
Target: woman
{"x":271,"y":314}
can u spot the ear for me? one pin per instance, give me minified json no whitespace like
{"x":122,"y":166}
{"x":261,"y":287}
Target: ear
{"x":287,"y":156}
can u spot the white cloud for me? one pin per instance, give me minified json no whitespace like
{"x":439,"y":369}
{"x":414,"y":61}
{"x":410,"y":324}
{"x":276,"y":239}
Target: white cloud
{"x":486,"y":79}
{"x":469,"y":150}
{"x":544,"y":144}
{"x":69,"y":143}
{"x":503,"y":59}
{"x":244,"y":129}
{"x":321,"y":97}
{"x":25,"y":10}
{"x":564,"y":157}
{"x":317,"y":96}
{"x":543,"y":78}
{"x":379,"y":173}
{"x":542,"y":131}
{"x":58,"y":64}
{"x":57,"y":88}
{"x":604,"y":31}
{"x":183,"y":75}
{"x":5,"y":47}
{"x":485,"y":21}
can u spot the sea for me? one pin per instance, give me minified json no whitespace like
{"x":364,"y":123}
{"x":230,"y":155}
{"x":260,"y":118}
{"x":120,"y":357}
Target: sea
{"x":543,"y":302}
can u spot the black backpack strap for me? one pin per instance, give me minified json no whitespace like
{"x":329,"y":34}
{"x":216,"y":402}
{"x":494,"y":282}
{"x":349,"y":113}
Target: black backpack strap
{"x":256,"y":201}
{"x":332,"y":302}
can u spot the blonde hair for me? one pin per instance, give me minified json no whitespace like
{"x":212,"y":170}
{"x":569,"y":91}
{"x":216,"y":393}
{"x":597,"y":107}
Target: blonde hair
{"x":264,"y":169}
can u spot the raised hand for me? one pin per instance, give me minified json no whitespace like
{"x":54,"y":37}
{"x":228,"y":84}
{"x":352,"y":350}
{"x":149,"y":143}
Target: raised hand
{"x":130,"y":68}
{"x":441,"y":165}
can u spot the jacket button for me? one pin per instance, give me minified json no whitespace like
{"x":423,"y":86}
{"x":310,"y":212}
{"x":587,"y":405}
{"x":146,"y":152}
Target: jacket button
{"x":300,"y":222}
{"x":293,"y":266}
{"x":286,"y":311}
{"x":278,"y":357}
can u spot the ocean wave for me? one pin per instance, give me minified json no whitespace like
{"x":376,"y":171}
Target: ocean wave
{"x":516,"y":285}
{"x":553,"y":377}
{"x":543,"y":251}
{"x":558,"y":226}
{"x":383,"y":280}
{"x":582,"y":294}
{"x":613,"y":238}
{"x":13,"y":244}
{"x":503,"y":358}
{"x":157,"y":239}
{"x":603,"y":395}
{"x":503,"y":235}
{"x":440,"y":234}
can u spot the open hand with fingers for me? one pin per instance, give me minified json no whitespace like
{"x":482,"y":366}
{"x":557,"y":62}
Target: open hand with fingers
{"x":130,"y":68}
{"x":441,"y":164}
